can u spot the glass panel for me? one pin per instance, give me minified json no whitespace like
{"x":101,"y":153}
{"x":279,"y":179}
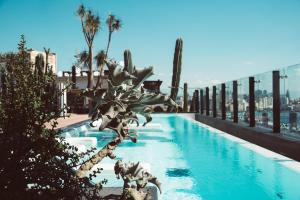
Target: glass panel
{"x":243,"y":100}
{"x":211,"y":101}
{"x":219,"y":100}
{"x":264,"y":100}
{"x":229,"y":101}
{"x":290,"y":100}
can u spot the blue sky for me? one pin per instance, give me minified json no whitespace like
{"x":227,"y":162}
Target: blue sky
{"x":223,"y":39}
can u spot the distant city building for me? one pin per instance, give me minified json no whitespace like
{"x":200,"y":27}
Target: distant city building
{"x":52,"y":58}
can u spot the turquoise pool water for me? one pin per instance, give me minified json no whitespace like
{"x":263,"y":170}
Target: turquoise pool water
{"x":195,"y":162}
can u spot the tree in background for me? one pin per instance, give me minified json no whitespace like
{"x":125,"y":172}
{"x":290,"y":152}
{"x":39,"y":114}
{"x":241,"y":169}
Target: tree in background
{"x":36,"y":162}
{"x":90,"y":24}
{"x":100,"y":62}
{"x":113,"y":25}
{"x":82,"y":59}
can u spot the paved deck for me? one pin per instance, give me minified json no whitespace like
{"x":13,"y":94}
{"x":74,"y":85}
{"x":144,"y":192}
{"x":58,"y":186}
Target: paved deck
{"x":66,"y":121}
{"x":279,"y":143}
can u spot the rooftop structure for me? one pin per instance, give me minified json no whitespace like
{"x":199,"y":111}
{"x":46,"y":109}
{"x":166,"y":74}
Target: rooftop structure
{"x":52,"y":58}
{"x":152,"y":86}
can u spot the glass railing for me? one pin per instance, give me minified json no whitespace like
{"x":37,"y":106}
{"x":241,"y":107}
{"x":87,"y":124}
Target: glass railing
{"x":219,"y":101}
{"x":273,"y":98}
{"x":210,"y":101}
{"x":263,"y":100}
{"x":243,"y":100}
{"x":290,"y":100}
{"x":229,"y":100}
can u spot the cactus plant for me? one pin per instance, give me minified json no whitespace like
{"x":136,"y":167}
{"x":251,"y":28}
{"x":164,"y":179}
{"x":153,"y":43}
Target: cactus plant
{"x":128,"y":66}
{"x":39,"y":65}
{"x":197,"y":102}
{"x":47,"y":52}
{"x":192,"y":106}
{"x":176,"y":69}
{"x":73,"y":77}
{"x":185,"y":98}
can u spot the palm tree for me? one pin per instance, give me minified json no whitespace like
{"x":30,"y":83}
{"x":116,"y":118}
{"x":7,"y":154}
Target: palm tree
{"x":100,"y":61}
{"x":113,"y":24}
{"x":83,"y":59}
{"x":90,"y":25}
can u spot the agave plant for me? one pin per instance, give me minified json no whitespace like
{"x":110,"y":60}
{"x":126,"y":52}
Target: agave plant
{"x":118,"y":106}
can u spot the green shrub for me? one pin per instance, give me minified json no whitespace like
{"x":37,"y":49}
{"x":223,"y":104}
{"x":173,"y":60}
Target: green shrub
{"x":35,"y":162}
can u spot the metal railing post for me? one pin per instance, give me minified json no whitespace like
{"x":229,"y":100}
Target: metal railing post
{"x":197,"y":101}
{"x":251,"y":102}
{"x":223,"y":96}
{"x":207,"y":101}
{"x":214,"y":99}
{"x":276,"y":101}
{"x":235,"y":101}
{"x":201,"y":102}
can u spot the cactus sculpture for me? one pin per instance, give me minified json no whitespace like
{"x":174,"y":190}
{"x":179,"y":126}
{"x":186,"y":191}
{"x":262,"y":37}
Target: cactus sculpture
{"x":185,"y":98}
{"x":128,"y":66}
{"x":197,"y":101}
{"x":47,"y":52}
{"x":176,"y":69}
{"x":116,"y":108}
{"x":192,"y":107}
{"x":39,"y":65}
{"x":73,"y":77}
{"x":134,"y":173}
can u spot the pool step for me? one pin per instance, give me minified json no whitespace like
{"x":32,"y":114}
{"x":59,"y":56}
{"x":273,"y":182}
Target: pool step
{"x":82,"y":143}
{"x":154,"y":127}
{"x":109,"y":167}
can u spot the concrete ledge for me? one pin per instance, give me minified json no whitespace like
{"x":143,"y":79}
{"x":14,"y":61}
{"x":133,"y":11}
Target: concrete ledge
{"x":112,"y":193}
{"x":278,"y":143}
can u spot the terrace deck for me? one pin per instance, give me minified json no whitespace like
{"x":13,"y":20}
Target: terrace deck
{"x":277,"y":142}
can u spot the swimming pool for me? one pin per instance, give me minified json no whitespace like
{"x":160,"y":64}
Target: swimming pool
{"x":194,"y":161}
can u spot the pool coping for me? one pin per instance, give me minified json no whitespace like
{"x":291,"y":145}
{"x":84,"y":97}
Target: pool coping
{"x":285,"y":146}
{"x":112,"y":193}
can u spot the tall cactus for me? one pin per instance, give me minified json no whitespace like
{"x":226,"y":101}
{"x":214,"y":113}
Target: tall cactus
{"x":197,"y":102}
{"x":176,"y":69}
{"x":192,"y":106}
{"x":185,"y":98}
{"x":39,"y":65}
{"x":73,"y":77}
{"x":47,"y":52}
{"x":128,"y":66}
